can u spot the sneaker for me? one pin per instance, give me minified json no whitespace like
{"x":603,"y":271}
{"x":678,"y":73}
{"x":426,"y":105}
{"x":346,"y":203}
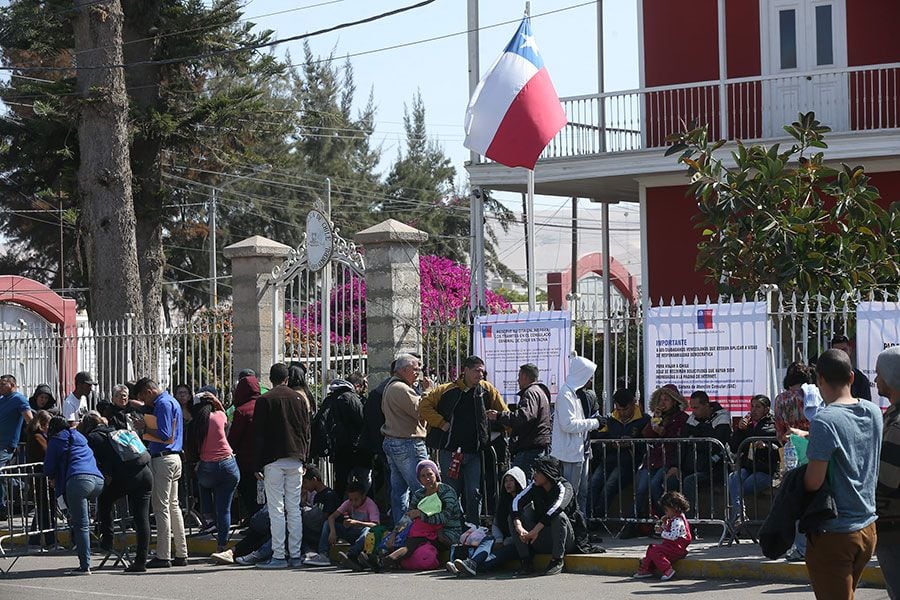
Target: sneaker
{"x":273,"y":563}
{"x":317,"y":560}
{"x":223,"y":558}
{"x":78,"y":572}
{"x":387,"y":563}
{"x":451,"y":568}
{"x":136,"y":568}
{"x":555,"y":567}
{"x":364,"y":561}
{"x":668,"y":575}
{"x":795,"y":555}
{"x":207,"y":528}
{"x":347,"y":562}
{"x":466,"y":567}
{"x":179,"y":561}
{"x":248,"y":559}
{"x":158,"y":563}
{"x":642,"y":575}
{"x":295,"y":563}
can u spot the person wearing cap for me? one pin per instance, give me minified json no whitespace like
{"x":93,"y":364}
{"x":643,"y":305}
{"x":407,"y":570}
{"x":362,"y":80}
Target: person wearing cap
{"x":887,"y":492}
{"x":570,"y":425}
{"x":861,"y":387}
{"x":545,"y":527}
{"x":165,"y":445}
{"x":75,"y":404}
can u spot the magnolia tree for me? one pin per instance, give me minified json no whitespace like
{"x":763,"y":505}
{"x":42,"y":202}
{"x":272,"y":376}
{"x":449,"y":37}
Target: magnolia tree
{"x":445,"y":302}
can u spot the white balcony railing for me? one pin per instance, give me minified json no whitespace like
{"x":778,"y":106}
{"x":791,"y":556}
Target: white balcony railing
{"x":851,"y":99}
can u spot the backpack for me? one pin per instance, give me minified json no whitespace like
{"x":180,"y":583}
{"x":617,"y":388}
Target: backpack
{"x":127,"y":444}
{"x":320,"y":435}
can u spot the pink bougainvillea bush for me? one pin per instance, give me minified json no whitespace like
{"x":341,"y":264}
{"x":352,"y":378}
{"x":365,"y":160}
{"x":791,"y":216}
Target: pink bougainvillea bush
{"x":445,"y":297}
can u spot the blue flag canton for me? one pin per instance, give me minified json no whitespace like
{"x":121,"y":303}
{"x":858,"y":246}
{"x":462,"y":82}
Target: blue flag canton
{"x":524,"y":45}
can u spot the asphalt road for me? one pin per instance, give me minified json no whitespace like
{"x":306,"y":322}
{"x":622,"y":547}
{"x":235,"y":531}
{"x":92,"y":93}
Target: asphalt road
{"x":42,"y":578}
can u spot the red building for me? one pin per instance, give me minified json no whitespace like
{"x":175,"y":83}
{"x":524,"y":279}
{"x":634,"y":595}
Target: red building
{"x":745,"y":68}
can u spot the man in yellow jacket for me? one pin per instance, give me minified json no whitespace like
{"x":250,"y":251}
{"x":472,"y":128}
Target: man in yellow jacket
{"x":458,"y":428}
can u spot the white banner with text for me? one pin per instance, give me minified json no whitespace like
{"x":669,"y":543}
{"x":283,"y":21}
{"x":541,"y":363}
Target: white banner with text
{"x":717,"y":348}
{"x":877,"y":328}
{"x":507,"y":341}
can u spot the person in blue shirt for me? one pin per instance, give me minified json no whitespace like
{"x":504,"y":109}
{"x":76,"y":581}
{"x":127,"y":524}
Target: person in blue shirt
{"x":845,"y":445}
{"x":165,"y":461}
{"x":14,"y":410}
{"x":70,"y":465}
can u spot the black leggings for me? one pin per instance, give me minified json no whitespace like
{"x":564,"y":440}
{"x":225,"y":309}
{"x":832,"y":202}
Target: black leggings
{"x":138,"y":489}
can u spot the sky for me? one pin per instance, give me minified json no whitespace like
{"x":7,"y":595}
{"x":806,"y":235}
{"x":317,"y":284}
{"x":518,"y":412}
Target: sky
{"x":439,"y":71}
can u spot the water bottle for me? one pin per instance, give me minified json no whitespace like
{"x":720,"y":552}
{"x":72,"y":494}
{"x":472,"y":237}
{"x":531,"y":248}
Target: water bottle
{"x":790,"y":456}
{"x":455,"y":464}
{"x":260,"y":491}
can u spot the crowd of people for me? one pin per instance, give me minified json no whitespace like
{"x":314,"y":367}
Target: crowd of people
{"x":408,"y":464}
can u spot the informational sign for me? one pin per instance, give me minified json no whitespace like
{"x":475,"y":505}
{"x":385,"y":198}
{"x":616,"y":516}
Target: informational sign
{"x":506,"y":342}
{"x":717,"y":348}
{"x":319,"y":240}
{"x":877,"y":328}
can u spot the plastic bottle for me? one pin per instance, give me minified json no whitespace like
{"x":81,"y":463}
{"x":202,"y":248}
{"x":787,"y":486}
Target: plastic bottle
{"x":790,"y":456}
{"x":455,"y":464}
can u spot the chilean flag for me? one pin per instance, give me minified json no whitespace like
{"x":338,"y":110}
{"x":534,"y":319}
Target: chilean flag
{"x":514,"y":112}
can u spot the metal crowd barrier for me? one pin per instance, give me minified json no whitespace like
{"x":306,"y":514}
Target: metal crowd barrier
{"x":32,"y":520}
{"x":755,"y":507}
{"x":705,"y":489}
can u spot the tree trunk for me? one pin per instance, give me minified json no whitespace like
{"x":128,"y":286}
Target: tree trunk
{"x":141,"y":18}
{"x":104,"y":172}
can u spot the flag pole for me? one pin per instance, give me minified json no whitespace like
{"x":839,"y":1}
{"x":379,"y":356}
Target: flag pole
{"x":529,"y":224}
{"x":529,"y":241}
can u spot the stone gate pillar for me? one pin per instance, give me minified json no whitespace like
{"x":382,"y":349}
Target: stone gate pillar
{"x":393,"y":294}
{"x":252,"y":261}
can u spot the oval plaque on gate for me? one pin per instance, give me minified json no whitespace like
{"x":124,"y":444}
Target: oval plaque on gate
{"x":319,"y":240}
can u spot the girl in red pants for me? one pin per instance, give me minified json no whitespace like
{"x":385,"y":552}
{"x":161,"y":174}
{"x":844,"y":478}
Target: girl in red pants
{"x":676,"y":535}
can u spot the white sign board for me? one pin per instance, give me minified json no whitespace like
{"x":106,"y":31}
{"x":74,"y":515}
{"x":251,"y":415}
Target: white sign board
{"x":717,"y":348}
{"x":319,"y":240}
{"x":506,"y":342}
{"x":877,"y":328}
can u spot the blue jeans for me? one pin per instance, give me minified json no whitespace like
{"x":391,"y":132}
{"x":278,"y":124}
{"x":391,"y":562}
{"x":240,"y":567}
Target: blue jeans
{"x":6,"y":456}
{"x":524,"y":459}
{"x":606,"y":483}
{"x":355,"y":535}
{"x":648,"y":487}
{"x":467,"y":484}
{"x":79,"y":490}
{"x":744,"y":483}
{"x":403,"y":455}
{"x":222,"y":479}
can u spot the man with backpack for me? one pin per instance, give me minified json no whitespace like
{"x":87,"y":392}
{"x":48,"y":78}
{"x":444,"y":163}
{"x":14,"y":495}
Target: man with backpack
{"x":459,"y":429}
{"x":125,"y":465}
{"x":339,"y":426}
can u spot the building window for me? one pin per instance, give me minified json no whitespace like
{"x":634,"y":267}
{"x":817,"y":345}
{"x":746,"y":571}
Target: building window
{"x":824,"y":42}
{"x":787,"y":20}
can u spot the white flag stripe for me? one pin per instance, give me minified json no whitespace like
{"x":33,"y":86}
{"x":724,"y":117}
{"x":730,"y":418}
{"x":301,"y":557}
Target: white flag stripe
{"x":492,"y":98}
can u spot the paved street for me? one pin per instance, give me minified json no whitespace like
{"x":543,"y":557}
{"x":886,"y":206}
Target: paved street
{"x":42,"y":579}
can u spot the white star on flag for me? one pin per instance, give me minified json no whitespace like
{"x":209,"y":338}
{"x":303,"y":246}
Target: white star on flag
{"x":529,"y":43}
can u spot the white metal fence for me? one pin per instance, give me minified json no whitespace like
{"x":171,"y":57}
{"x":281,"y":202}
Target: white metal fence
{"x":195,"y":353}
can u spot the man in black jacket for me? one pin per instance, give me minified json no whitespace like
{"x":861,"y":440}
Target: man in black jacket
{"x":701,"y":463}
{"x":546,"y":526}
{"x":529,"y":423}
{"x":346,"y":425}
{"x":757,"y":461}
{"x":281,"y":429}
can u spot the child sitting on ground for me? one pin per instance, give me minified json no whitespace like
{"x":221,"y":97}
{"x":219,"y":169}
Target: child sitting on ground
{"x":351,"y":522}
{"x":676,"y":535}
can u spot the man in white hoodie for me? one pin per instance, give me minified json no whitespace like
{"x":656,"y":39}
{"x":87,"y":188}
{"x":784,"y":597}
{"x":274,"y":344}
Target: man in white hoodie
{"x":570,"y":425}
